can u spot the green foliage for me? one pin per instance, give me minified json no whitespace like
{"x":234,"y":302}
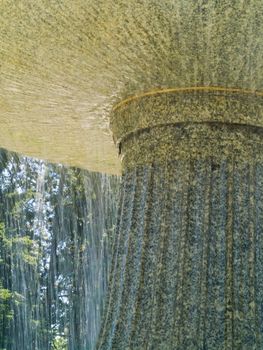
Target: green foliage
{"x":59,"y":343}
{"x":24,"y":245}
{"x":5,"y":307}
{"x":47,"y":216}
{"x":5,"y":294}
{"x":2,"y":232}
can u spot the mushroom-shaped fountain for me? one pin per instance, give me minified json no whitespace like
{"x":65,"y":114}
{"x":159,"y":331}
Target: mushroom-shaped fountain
{"x":178,"y":86}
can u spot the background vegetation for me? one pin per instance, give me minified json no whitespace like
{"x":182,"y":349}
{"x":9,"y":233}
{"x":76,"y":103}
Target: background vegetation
{"x":56,"y":231}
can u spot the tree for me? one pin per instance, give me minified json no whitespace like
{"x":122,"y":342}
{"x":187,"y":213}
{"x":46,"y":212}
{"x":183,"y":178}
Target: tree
{"x":56,"y":229}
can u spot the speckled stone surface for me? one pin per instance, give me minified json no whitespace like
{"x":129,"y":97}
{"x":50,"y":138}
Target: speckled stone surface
{"x":180,"y":106}
{"x":187,"y":271}
{"x":188,"y":263}
{"x":64,"y":64}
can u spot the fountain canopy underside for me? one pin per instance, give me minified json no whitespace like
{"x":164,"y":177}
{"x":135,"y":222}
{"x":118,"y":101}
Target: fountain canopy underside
{"x":65,"y":66}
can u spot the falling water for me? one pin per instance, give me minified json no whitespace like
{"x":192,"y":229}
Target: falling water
{"x":56,"y":231}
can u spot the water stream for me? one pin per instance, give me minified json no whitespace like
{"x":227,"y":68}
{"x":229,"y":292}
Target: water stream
{"x":56,"y":231}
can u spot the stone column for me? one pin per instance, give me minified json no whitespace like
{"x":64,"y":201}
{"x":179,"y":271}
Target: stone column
{"x":187,"y":270}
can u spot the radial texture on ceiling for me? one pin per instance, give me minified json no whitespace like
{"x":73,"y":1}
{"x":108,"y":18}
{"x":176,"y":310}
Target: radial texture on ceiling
{"x":64,"y":64}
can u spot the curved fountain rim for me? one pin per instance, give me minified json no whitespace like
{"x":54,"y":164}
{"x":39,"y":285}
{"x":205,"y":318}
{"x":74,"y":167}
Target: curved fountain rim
{"x":127,"y":119}
{"x":189,"y":89}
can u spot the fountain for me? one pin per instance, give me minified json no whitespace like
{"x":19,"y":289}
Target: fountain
{"x":187,"y":266}
{"x":180,"y":84}
{"x":56,"y":233}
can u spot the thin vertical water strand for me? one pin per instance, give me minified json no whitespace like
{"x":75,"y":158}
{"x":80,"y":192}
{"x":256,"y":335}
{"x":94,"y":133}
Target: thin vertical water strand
{"x":213,"y":324}
{"x":174,"y":248}
{"x":134,"y":263}
{"x":259,"y":251}
{"x":168,"y":268}
{"x":241,"y":250}
{"x":144,"y":303}
{"x":42,"y":227}
{"x":116,"y":287}
{"x":194,"y":238}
